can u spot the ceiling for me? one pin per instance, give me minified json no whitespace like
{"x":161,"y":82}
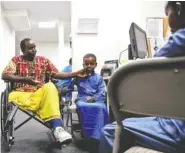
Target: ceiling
{"x":41,"y":11}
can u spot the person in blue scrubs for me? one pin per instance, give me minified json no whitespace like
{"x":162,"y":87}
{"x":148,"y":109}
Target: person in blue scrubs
{"x":162,"y":134}
{"x":90,"y":101}
{"x":63,"y":84}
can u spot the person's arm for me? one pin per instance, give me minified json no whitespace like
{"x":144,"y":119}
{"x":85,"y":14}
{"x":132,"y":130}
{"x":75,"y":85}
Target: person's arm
{"x":69,"y":90}
{"x":100,"y":95}
{"x":63,"y":75}
{"x":9,"y":72}
{"x":175,"y":46}
{"x":53,"y":72}
{"x":13,"y":78}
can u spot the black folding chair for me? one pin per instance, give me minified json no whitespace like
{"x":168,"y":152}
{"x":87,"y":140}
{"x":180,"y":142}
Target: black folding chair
{"x":151,"y":87}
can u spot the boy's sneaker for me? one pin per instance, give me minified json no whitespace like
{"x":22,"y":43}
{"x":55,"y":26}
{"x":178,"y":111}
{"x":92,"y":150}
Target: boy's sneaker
{"x":62,"y":136}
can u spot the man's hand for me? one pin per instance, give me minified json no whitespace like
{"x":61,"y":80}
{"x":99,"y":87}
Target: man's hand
{"x":30,"y":80}
{"x":81,"y":73}
{"x":90,"y":99}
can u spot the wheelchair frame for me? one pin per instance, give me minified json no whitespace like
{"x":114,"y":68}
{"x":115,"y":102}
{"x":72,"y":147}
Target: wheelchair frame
{"x":8,"y":112}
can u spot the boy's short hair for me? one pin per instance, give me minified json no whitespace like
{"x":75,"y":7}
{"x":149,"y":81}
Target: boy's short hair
{"x":89,"y":55}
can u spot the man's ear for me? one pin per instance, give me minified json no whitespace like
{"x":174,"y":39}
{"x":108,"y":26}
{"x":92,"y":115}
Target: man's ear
{"x":96,"y":64}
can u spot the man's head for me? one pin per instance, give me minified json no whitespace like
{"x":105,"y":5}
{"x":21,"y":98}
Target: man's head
{"x":70,"y":61}
{"x":89,"y":62}
{"x":28,"y":48}
{"x":175,"y":10}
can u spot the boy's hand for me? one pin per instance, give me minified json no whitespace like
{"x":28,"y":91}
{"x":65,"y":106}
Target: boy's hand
{"x":90,"y":99}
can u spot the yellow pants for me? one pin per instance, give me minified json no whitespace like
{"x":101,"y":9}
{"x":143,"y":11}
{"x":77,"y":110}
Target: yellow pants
{"x":44,"y":102}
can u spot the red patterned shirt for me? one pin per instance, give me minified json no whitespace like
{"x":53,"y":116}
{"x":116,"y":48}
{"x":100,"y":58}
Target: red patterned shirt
{"x":39,"y":68}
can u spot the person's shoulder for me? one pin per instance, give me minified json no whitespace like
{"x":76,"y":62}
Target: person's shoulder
{"x":41,"y":58}
{"x":181,"y":30}
{"x":68,"y":67}
{"x":98,"y":76}
{"x":16,"y":58}
{"x":180,"y":34}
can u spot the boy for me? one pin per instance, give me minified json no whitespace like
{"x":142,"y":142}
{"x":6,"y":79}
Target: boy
{"x":90,"y":101}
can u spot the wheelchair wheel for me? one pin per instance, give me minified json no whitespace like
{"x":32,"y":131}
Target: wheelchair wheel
{"x":8,"y":136}
{"x":3,"y":113}
{"x":7,"y":128}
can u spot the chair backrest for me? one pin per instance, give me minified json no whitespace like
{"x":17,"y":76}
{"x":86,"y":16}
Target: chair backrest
{"x":151,"y":87}
{"x":74,"y":94}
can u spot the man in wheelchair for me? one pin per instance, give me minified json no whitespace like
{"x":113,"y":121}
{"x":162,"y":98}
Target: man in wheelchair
{"x":30,"y":92}
{"x":90,"y":101}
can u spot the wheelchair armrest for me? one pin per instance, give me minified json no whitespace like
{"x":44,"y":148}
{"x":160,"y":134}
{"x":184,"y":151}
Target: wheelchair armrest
{"x":9,"y":85}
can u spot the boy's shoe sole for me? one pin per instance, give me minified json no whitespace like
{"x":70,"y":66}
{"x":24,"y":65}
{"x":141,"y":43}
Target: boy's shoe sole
{"x":65,"y":142}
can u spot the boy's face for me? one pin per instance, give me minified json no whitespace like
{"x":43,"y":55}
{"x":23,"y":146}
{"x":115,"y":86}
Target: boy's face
{"x":89,"y":64}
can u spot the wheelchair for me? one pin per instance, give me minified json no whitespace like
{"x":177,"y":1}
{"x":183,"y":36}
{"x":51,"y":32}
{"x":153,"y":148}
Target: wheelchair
{"x":8,"y":112}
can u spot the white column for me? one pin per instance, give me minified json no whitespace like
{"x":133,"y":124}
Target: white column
{"x":61,"y":62}
{"x":1,"y":34}
{"x":61,"y":35}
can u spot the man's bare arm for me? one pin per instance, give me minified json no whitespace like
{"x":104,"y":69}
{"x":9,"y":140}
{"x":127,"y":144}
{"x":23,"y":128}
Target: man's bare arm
{"x":12,"y":78}
{"x":62,"y":75}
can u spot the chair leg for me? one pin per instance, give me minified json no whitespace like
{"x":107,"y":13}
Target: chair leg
{"x":62,"y":114}
{"x":71,"y":118}
{"x":67,"y":120}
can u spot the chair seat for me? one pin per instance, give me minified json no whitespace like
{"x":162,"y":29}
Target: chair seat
{"x":137,"y":149}
{"x":72,"y":109}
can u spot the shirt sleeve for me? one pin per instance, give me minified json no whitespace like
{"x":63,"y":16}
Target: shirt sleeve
{"x":11,"y":67}
{"x":175,"y":46}
{"x":51,"y":69}
{"x":100,"y":96}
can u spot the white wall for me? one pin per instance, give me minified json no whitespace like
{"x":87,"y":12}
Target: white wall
{"x":7,"y":45}
{"x":115,"y":19}
{"x":51,"y":50}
